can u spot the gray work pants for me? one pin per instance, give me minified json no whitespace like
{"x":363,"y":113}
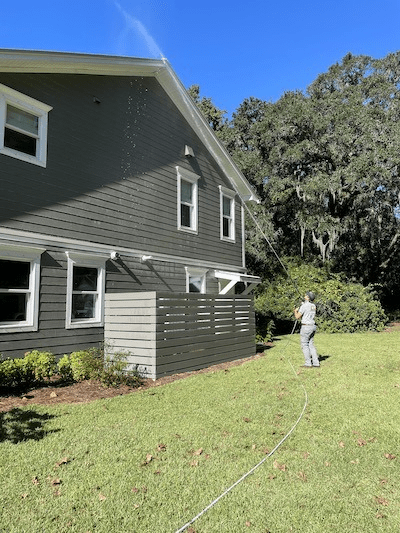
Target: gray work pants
{"x":307,"y":345}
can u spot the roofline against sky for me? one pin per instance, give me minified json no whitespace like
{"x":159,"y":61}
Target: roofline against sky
{"x":39,"y":61}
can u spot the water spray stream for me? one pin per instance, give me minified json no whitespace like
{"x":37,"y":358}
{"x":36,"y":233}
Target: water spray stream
{"x":134,"y":25}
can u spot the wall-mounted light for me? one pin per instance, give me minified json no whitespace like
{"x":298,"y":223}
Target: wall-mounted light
{"x":96,"y":100}
{"x":114,"y":256}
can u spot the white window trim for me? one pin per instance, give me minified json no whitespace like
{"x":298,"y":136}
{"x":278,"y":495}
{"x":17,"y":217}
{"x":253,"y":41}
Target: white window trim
{"x":32,"y":255}
{"x":25,"y":103}
{"x":191,"y":177}
{"x":202,"y":273}
{"x":228,"y":193}
{"x":91,"y":261}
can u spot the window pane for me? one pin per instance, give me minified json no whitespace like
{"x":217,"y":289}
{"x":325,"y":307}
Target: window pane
{"x":195,"y":283}
{"x":226,"y":227}
{"x":13,"y":307}
{"x":14,"y":274}
{"x":85,"y":279}
{"x":83,"y":306}
{"x":22,"y":120}
{"x":20,"y":142}
{"x":186,"y":216}
{"x":186,"y":192}
{"x":226,"y":206}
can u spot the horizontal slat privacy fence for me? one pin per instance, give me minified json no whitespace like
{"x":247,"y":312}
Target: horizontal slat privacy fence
{"x":168,"y":333}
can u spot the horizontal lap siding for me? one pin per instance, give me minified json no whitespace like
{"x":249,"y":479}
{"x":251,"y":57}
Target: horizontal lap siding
{"x":111,"y":170}
{"x":166,"y":334}
{"x":51,"y":335}
{"x":125,"y":276}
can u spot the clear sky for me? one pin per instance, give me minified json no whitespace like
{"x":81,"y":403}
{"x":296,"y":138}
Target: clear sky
{"x":231,"y":49}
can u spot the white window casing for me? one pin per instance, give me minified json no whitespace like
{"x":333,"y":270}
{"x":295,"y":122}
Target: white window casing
{"x":27,"y":292}
{"x":187,"y":200}
{"x":196,"y":279}
{"x":227,"y":214}
{"x":24,"y":120}
{"x":85,"y":302}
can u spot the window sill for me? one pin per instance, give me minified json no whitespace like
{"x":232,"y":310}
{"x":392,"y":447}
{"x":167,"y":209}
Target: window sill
{"x":85,"y":324}
{"x":23,"y":157}
{"x":17,"y":328}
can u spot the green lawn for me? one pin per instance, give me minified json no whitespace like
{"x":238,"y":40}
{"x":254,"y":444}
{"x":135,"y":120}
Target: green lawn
{"x":152,"y":460}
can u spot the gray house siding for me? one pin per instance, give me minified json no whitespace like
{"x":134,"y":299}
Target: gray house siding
{"x":111,"y":181}
{"x":111,"y":169}
{"x":125,"y":275}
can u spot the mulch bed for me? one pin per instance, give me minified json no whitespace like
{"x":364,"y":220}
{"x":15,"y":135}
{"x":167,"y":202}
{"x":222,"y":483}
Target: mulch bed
{"x":54,"y":392}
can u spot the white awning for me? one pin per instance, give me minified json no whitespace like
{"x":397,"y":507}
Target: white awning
{"x":231,"y":278}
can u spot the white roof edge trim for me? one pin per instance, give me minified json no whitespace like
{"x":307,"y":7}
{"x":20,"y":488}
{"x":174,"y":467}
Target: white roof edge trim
{"x":78,"y":63}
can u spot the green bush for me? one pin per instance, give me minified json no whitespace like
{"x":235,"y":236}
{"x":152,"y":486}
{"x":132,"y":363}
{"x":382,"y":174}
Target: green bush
{"x":115,"y":371}
{"x":39,"y":365}
{"x":12,"y":372}
{"x":93,"y":364}
{"x":86,"y":364}
{"x":64,"y":368}
{"x":34,"y":366}
{"x":342,"y":306}
{"x":78,"y":366}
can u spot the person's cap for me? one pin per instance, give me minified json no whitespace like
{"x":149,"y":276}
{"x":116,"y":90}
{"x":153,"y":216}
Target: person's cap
{"x":311,"y":295}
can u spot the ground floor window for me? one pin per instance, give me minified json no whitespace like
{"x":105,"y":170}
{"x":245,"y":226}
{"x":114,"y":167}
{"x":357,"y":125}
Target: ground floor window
{"x":19,"y":287}
{"x":196,"y":279}
{"x":85,"y":290}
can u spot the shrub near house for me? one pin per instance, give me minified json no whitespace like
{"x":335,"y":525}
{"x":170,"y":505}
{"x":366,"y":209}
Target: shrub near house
{"x":36,"y":367}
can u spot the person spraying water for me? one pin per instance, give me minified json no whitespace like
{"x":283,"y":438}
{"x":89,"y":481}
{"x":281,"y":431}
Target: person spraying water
{"x":306,"y":312}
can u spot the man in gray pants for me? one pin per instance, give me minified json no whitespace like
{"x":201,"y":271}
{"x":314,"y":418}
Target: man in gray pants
{"x":308,"y":328}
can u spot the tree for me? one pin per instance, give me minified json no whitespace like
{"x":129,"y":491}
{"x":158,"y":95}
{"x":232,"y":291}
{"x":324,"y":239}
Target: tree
{"x":330,"y":159}
{"x":215,"y":117}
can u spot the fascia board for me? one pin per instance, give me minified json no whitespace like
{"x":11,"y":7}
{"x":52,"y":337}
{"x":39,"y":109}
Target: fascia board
{"x":72,"y":63}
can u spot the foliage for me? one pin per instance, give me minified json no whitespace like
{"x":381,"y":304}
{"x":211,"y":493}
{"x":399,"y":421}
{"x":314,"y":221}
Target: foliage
{"x":35,"y":366}
{"x":342,"y":306}
{"x":39,"y":365}
{"x":12,"y":372}
{"x":64,"y":368}
{"x":214,"y":116}
{"x":86,"y":364}
{"x":111,"y":371}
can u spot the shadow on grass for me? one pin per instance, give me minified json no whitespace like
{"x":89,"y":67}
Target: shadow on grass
{"x":20,"y":425}
{"x":324,"y":357}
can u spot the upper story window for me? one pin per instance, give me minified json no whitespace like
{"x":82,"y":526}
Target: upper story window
{"x":187,"y":200}
{"x":227,"y":214}
{"x":85,"y":290}
{"x":19,"y":288}
{"x":23,"y":127}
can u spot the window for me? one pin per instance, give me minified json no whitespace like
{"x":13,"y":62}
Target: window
{"x":23,"y":126}
{"x":187,"y":200}
{"x":196,"y":279}
{"x":227,"y":211}
{"x":19,"y":288}
{"x":85,"y":290}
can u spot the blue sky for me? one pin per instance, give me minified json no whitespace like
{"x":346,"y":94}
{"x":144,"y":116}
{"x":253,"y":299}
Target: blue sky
{"x":232,"y":49}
